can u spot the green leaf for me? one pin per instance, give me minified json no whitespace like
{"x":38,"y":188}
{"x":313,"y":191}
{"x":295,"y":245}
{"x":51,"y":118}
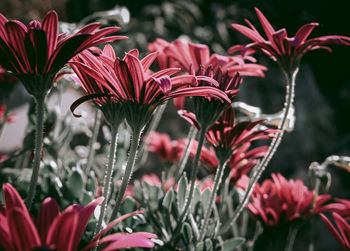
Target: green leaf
{"x":187,"y":232}
{"x":168,"y":199}
{"x":233,"y":243}
{"x":75,"y":183}
{"x":181,"y":192}
{"x":205,"y":198}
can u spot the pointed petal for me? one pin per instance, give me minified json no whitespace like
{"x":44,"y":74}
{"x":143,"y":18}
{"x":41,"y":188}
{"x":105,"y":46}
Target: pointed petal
{"x":200,"y":54}
{"x":253,"y":35}
{"x":84,"y":216}
{"x":148,"y":60}
{"x":47,"y":213}
{"x":24,"y":233}
{"x":12,"y":198}
{"x":333,"y":231}
{"x":122,"y":240}
{"x":50,"y":26}
{"x":63,"y":229}
{"x":109,"y":51}
{"x":302,"y":34}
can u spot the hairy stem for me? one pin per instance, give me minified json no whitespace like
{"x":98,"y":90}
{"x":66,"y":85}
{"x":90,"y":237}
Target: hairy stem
{"x":193,"y":180}
{"x":258,"y":170}
{"x":217,"y":181}
{"x":185,"y":154}
{"x":39,"y":134}
{"x":108,"y":177}
{"x":128,"y":171}
{"x":95,"y":130}
{"x":152,"y":127}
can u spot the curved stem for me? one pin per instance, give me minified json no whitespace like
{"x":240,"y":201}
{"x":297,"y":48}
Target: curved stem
{"x":185,"y":154}
{"x":108,"y":177}
{"x":39,"y":134}
{"x":193,"y":180}
{"x":217,"y":181}
{"x":128,"y":171}
{"x":272,"y":149}
{"x":95,"y":130}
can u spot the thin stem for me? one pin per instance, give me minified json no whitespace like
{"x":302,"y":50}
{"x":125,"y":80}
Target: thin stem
{"x":128,"y":171}
{"x":108,"y":177}
{"x":217,"y":181}
{"x":193,"y":179}
{"x":185,"y":154}
{"x":291,"y":238}
{"x":39,"y":134}
{"x":272,"y":149}
{"x":95,"y":130}
{"x":152,"y":127}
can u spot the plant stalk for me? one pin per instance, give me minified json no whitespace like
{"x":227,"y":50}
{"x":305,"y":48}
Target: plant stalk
{"x":39,"y":135}
{"x":260,"y":167}
{"x":193,"y":179}
{"x":128,"y":171}
{"x":185,"y":154}
{"x":95,"y":130}
{"x":217,"y":181}
{"x":108,"y":177}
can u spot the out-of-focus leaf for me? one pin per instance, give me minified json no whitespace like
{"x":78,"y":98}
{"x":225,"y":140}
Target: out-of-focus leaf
{"x":187,"y":232}
{"x":168,"y":199}
{"x":233,"y":243}
{"x":182,"y":192}
{"x":75,"y":183}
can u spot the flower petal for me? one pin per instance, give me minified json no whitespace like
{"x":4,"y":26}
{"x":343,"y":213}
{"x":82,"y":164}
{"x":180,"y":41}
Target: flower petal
{"x":22,"y":229}
{"x":47,"y":213}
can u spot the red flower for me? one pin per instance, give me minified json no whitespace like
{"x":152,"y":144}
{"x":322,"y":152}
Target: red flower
{"x":171,"y":150}
{"x":191,"y":57}
{"x":54,"y":230}
{"x":243,"y":160}
{"x":226,"y":136}
{"x":166,"y":149}
{"x":280,"y":201}
{"x":343,"y":235}
{"x":288,"y":51}
{"x":341,"y":207}
{"x":128,"y":81}
{"x":35,"y":53}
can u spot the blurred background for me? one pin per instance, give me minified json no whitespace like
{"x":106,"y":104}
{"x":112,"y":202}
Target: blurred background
{"x":322,"y":99}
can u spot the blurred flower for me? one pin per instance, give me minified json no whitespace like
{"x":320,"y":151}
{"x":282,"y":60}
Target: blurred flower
{"x":129,"y":82}
{"x":192,"y":57}
{"x":244,"y":159}
{"x":279,"y":201}
{"x":53,"y":230}
{"x":35,"y":53}
{"x":171,"y":150}
{"x":7,"y":84}
{"x":288,"y":51}
{"x":166,"y":149}
{"x":343,"y":234}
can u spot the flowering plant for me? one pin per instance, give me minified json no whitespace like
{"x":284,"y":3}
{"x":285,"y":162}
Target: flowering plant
{"x":116,"y":158}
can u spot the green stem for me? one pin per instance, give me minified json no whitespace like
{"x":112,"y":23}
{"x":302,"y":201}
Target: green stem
{"x":193,"y":180}
{"x":108,"y":177}
{"x":258,"y":170}
{"x":152,"y":127}
{"x":291,"y":238}
{"x":95,"y":130}
{"x":128,"y":171}
{"x":185,"y":154}
{"x":39,"y":134}
{"x":217,"y":181}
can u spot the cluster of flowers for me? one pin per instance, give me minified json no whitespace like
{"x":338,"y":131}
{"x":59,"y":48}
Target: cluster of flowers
{"x":127,"y":89}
